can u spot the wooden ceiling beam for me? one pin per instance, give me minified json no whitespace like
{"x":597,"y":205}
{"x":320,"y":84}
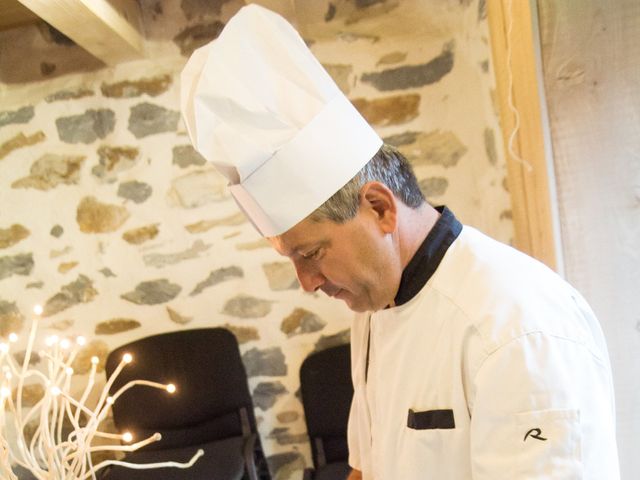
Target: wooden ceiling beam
{"x":13,"y":14}
{"x":108,"y":29}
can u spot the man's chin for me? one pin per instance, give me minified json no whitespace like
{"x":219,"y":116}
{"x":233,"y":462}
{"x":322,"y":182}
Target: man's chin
{"x":353,"y":304}
{"x":357,"y":308}
{"x":351,"y":301}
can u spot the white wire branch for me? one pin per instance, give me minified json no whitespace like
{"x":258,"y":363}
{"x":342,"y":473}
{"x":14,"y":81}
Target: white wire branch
{"x":49,"y":451}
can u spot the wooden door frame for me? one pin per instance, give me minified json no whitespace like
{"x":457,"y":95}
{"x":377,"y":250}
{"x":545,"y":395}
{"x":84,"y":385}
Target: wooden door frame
{"x":530,"y":170}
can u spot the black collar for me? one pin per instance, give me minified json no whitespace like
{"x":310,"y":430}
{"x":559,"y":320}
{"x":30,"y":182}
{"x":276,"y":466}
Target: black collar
{"x":428,"y":256}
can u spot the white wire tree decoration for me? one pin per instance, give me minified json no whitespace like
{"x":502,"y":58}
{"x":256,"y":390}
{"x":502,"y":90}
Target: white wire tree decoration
{"x":51,"y":452}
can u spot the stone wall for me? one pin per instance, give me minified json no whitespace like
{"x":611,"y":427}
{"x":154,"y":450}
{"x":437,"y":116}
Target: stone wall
{"x":121,"y":230}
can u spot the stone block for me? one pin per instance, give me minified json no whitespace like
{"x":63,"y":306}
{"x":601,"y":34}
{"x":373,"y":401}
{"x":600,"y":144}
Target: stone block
{"x":12,"y":235}
{"x":413,"y":76}
{"x":269,"y":362}
{"x":79,"y":291}
{"x":393,"y":110}
{"x":21,"y":264}
{"x":134,"y":88}
{"x":52,"y":170}
{"x":96,"y":217}
{"x":116,"y":325}
{"x":153,"y":292}
{"x":148,"y":119}
{"x":87,"y":127}
{"x":216,"y":277}
{"x":22,"y":115}
{"x":20,"y":141}
{"x":245,"y":306}
{"x":11,"y":319}
{"x":196,"y":36}
{"x":140,"y":235}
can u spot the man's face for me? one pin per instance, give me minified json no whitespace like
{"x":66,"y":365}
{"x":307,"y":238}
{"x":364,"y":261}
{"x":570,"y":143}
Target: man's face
{"x":354,"y":261}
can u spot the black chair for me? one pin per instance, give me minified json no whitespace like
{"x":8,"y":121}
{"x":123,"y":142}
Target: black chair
{"x":210,"y":410}
{"x":327,"y":390}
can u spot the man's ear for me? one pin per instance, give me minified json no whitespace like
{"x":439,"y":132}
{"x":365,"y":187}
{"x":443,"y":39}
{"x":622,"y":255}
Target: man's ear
{"x":378,"y":199}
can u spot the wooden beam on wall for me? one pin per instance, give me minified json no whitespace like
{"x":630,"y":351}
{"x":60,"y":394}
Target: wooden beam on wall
{"x":530,"y":171}
{"x":108,"y":29}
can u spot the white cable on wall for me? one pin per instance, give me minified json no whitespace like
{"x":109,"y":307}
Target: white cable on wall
{"x":512,"y":107}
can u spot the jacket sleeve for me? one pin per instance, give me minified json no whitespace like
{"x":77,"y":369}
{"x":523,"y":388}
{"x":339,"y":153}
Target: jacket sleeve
{"x":542,"y":409}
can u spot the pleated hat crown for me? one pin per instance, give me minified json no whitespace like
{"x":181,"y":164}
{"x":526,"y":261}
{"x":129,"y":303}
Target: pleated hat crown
{"x":261,"y":108}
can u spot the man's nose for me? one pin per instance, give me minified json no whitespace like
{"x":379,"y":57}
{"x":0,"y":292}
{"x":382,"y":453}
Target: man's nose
{"x":309,"y":277}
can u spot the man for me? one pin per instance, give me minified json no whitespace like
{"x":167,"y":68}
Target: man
{"x":470,"y":360}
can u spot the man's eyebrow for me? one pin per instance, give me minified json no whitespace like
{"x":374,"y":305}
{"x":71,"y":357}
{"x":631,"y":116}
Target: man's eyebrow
{"x":288,"y":251}
{"x":303,"y":246}
{"x":309,"y":245}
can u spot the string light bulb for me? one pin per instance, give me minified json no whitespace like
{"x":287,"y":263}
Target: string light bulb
{"x":81,"y":340}
{"x":95,"y":360}
{"x":127,"y":358}
{"x":4,"y":347}
{"x":38,"y":310}
{"x":171,"y":388}
{"x":65,"y":343}
{"x":55,"y":391}
{"x":127,"y":437}
{"x":13,"y":337}
{"x":5,"y":392}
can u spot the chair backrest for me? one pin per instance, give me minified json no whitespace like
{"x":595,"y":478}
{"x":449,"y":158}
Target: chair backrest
{"x":211,"y":388}
{"x":327,"y":390}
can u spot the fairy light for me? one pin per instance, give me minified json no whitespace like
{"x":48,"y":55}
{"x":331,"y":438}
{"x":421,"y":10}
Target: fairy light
{"x":47,"y":454}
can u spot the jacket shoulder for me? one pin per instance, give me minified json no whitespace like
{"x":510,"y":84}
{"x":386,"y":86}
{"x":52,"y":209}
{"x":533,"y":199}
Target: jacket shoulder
{"x":506,"y":294}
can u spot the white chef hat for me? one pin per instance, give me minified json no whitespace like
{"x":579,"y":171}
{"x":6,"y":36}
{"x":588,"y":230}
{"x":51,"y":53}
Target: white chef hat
{"x":260,"y":107}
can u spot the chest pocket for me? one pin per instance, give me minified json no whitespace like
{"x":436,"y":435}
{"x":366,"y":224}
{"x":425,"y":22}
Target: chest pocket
{"x":431,"y":420}
{"x":431,"y":447}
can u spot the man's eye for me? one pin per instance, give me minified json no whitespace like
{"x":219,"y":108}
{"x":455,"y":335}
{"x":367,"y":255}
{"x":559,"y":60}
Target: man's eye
{"x":312,"y":254}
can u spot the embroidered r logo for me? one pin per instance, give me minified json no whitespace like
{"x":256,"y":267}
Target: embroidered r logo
{"x":535,"y":433}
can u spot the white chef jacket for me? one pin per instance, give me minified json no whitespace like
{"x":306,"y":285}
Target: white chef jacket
{"x":499,"y":345}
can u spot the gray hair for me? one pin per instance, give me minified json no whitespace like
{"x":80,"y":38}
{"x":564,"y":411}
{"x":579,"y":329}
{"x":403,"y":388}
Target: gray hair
{"x":388,"y":167}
